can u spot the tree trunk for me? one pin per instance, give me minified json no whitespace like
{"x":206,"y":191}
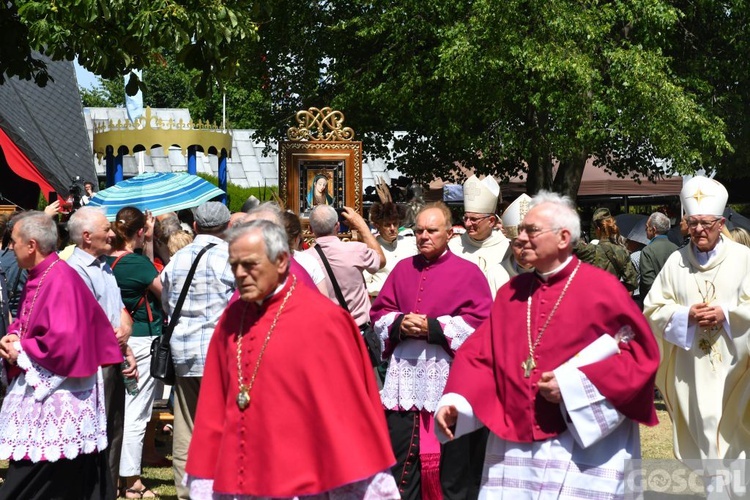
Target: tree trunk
{"x":569,"y":175}
{"x":539,"y":175}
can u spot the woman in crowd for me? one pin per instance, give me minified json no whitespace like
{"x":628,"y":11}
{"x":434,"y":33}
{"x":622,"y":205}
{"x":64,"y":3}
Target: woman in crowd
{"x":387,"y":219}
{"x":140,"y":287}
{"x":740,"y":236}
{"x":615,"y":257}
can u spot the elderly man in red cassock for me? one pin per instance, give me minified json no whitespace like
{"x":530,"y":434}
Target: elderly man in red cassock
{"x":289,"y":406}
{"x":562,"y":373}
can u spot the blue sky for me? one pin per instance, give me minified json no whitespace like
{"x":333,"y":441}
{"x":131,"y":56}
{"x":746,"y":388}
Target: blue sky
{"x":85,"y":77}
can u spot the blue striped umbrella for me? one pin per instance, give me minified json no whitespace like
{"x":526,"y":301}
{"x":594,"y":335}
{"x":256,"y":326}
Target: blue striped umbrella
{"x":156,"y":191}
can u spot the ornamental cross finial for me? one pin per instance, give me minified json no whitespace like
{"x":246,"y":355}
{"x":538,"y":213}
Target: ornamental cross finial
{"x":699,"y":195}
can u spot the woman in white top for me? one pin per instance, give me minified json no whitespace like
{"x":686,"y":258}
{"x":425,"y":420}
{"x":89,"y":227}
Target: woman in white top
{"x":396,"y":246}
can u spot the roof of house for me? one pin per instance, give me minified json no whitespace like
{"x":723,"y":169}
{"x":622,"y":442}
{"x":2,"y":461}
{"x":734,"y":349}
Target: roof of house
{"x":47,"y":124}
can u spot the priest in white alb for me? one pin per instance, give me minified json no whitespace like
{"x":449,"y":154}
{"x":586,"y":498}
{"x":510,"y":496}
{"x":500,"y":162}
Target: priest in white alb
{"x":699,"y":309}
{"x":512,"y":217}
{"x":482,"y":243}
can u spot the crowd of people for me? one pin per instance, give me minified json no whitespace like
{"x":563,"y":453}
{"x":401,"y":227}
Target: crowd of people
{"x":512,"y":359}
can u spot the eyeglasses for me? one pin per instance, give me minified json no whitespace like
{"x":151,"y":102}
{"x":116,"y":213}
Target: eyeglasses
{"x":533,"y":231}
{"x":476,"y":220}
{"x":705,"y":224}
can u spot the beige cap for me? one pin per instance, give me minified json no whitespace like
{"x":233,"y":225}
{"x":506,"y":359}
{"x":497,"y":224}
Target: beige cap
{"x":481,"y":196}
{"x":514,"y":214}
{"x":703,"y":196}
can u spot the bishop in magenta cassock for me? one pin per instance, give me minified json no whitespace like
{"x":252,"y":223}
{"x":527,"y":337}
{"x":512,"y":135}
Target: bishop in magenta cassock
{"x":429,"y":305}
{"x":562,"y":373}
{"x":53,"y":425}
{"x":289,"y":405}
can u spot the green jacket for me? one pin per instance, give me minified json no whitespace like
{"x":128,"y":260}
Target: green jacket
{"x":612,"y":258}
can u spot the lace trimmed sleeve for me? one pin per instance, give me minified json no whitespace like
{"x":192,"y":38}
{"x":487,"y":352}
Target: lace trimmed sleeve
{"x":42,"y":380}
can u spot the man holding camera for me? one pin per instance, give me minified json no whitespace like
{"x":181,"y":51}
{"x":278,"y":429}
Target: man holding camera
{"x":347,"y":260}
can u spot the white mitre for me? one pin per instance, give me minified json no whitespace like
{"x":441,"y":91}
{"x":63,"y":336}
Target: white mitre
{"x":481,"y":196}
{"x":514,"y":214}
{"x":703,"y":196}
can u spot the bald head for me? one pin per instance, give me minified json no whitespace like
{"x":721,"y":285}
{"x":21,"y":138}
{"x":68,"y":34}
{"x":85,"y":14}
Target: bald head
{"x":433,"y":230}
{"x":266,"y":211}
{"x":237,"y":218}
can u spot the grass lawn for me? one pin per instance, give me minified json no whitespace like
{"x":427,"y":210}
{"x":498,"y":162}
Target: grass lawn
{"x":656,"y":442}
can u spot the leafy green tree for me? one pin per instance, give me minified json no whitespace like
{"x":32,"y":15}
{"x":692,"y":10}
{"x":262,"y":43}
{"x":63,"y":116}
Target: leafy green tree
{"x":112,"y":37}
{"x":171,"y":85}
{"x":709,"y":46}
{"x":506,"y":87}
{"x":95,"y":98}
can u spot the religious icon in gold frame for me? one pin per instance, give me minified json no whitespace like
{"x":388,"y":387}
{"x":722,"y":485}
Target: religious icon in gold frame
{"x":311,"y":159}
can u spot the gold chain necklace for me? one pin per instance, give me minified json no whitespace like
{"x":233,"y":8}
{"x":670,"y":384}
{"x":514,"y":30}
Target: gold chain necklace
{"x":243,"y":397}
{"x":530,"y":364}
{"x":25,"y":327}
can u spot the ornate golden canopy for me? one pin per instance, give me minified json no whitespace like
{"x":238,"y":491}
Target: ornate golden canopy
{"x":149,"y":131}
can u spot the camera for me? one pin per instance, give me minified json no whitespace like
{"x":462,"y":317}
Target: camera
{"x":76,"y":192}
{"x":343,"y":226}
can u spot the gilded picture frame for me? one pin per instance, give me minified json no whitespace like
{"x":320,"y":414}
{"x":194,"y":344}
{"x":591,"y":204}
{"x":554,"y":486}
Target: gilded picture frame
{"x":301,"y":162}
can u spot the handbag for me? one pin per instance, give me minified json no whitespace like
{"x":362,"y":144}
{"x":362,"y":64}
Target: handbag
{"x":162,"y":365}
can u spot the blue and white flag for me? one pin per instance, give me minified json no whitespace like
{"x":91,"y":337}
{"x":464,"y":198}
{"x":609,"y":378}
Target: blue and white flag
{"x":134,"y":103}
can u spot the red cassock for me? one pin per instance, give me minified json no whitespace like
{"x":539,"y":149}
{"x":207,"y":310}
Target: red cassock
{"x":314,"y":422}
{"x":487,"y":369}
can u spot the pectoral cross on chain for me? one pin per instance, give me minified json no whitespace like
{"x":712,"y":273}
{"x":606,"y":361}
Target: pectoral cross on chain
{"x":528,"y":365}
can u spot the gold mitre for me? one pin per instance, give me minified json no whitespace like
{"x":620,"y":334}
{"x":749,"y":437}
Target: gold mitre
{"x":703,"y":196}
{"x":481,"y":196}
{"x":514,"y":214}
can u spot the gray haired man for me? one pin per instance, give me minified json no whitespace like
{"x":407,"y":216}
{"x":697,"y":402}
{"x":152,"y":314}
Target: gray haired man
{"x":90,"y":230}
{"x":347,"y":259}
{"x":656,"y":253}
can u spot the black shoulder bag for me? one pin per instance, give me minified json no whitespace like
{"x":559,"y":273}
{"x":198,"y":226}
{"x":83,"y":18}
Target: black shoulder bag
{"x":368,"y":333}
{"x":162,"y":366}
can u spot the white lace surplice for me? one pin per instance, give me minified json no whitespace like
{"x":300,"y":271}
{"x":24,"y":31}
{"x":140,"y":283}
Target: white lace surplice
{"x":418,"y":371}
{"x":46,"y":417}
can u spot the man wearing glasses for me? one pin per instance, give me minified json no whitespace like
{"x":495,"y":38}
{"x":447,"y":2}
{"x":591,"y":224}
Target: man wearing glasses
{"x":562,"y":422}
{"x":481,"y":243}
{"x":699,"y":309}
